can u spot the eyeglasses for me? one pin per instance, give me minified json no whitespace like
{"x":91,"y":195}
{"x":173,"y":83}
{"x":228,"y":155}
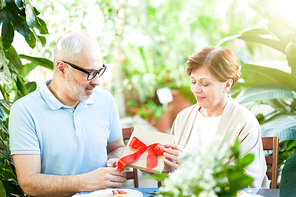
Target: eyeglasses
{"x":92,"y":73}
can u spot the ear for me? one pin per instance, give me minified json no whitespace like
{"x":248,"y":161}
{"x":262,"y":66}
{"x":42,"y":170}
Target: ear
{"x":228,"y":85}
{"x":61,"y":68}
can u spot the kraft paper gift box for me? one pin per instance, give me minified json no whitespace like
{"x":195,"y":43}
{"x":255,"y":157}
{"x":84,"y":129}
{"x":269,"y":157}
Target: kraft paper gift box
{"x":147,"y":137}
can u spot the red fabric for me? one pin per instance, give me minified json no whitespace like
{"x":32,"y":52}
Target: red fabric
{"x":153,"y":150}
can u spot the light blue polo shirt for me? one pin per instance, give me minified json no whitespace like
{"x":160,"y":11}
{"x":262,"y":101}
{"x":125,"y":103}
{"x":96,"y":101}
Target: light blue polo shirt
{"x":70,"y":141}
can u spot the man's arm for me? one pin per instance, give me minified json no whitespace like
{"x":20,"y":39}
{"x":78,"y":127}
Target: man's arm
{"x":34,"y":183}
{"x":115,"y":150}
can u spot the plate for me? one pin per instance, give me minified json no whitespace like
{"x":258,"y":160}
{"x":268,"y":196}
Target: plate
{"x":108,"y":192}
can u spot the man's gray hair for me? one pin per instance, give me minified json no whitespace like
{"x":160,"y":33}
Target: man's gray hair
{"x":69,"y":46}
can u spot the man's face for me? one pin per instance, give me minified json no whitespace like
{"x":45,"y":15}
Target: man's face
{"x":80,"y":90}
{"x":76,"y":81}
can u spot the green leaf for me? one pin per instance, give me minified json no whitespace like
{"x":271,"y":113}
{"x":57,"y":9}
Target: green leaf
{"x":3,"y":148}
{"x":41,"y":26}
{"x":253,"y":75}
{"x":21,"y":86}
{"x":292,"y":64}
{"x":283,"y":33}
{"x":18,"y":22}
{"x":7,"y":32}
{"x":246,"y":160}
{"x":278,"y":45}
{"x":2,"y":115}
{"x":291,"y":144}
{"x":39,"y":61}
{"x":278,"y":105}
{"x":19,"y":3}
{"x":8,"y":174}
{"x":13,"y":57}
{"x":30,"y":16}
{"x":31,"y":86}
{"x":5,"y":103}
{"x":27,"y":68}
{"x":159,"y":176}
{"x":255,"y":32}
{"x":247,"y":32}
{"x":264,"y":91}
{"x":17,"y":96}
{"x":2,"y":4}
{"x":282,"y":125}
{"x":4,"y":61}
{"x":254,"y":35}
{"x":5,"y":76}
{"x":31,"y":40}
{"x":134,"y":56}
{"x":287,"y":185}
{"x":290,"y":49}
{"x":42,"y":40}
{"x":144,"y":84}
{"x":2,"y":190}
{"x":226,"y":40}
{"x":12,"y":188}
{"x":290,"y":52}
{"x":36,"y":11}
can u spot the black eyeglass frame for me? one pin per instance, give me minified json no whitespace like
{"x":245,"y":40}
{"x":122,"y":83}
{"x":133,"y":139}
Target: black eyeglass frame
{"x":88,"y":72}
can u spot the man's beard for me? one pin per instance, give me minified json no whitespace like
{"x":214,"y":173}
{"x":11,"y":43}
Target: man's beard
{"x":76,"y":90}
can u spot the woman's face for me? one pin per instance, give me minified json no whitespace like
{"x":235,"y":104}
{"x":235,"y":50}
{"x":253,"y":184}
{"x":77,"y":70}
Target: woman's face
{"x":210,"y":93}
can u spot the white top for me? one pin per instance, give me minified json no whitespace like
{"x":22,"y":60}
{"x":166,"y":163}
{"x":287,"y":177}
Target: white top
{"x":203,"y":132}
{"x":237,"y":122}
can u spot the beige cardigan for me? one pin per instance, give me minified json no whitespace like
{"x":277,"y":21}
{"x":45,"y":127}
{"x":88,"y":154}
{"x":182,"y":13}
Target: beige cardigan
{"x":236,"y":122}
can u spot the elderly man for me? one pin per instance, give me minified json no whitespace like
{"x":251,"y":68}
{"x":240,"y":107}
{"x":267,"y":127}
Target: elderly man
{"x":66,"y":137}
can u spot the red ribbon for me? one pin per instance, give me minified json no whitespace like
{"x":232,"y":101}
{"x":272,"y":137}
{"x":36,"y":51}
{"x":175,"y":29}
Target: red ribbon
{"x":153,"y":150}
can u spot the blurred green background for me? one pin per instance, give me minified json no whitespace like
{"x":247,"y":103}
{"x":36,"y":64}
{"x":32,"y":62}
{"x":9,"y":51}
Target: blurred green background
{"x":146,"y":44}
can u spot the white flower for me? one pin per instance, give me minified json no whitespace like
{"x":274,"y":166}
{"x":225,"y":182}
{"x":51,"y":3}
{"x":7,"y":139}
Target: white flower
{"x":197,"y":170}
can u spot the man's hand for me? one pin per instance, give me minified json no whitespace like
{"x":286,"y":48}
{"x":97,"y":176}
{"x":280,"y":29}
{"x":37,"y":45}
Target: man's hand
{"x":35,"y":183}
{"x":112,"y":162}
{"x":102,"y":178}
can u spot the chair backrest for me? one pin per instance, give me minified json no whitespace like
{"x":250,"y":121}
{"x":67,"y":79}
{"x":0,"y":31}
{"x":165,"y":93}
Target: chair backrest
{"x":272,"y":143}
{"x":126,"y":133}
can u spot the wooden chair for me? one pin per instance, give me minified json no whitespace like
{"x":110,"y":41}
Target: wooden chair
{"x":126,"y":133}
{"x":272,"y":143}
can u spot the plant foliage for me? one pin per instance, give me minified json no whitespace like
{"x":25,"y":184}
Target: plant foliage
{"x":287,"y":186}
{"x":22,"y":17}
{"x":209,"y":172}
{"x":271,"y":86}
{"x":157,"y":39}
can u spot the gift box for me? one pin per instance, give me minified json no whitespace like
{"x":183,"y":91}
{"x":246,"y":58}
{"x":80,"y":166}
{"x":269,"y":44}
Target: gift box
{"x":148,"y":138}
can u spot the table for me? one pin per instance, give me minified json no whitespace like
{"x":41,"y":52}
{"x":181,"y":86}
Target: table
{"x":269,"y":192}
{"x":263,"y":192}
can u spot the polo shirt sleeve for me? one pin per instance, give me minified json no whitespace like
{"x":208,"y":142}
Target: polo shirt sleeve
{"x":22,"y":134}
{"x":115,"y":128}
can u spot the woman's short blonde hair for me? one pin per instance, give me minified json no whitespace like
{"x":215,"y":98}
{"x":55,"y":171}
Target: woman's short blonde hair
{"x":221,"y":62}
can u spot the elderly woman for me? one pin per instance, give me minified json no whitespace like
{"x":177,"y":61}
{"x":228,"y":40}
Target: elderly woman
{"x":217,"y":117}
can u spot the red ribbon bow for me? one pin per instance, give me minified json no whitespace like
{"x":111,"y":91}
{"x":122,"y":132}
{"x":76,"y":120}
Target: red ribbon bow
{"x":153,"y":150}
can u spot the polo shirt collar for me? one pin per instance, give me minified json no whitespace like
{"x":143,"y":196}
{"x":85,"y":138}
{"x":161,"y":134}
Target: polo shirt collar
{"x":53,"y":102}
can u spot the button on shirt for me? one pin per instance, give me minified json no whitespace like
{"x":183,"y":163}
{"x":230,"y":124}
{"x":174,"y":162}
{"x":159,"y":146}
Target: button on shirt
{"x":69,"y":141}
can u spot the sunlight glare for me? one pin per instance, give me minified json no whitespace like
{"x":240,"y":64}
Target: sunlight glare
{"x":287,"y":9}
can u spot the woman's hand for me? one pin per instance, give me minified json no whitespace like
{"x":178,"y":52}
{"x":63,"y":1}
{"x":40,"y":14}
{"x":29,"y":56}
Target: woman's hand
{"x":171,"y":153}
